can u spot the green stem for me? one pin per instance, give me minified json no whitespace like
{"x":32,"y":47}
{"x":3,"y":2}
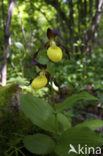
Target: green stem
{"x":16,"y":152}
{"x":21,"y":152}
{"x":54,"y":107}
{"x":52,"y":43}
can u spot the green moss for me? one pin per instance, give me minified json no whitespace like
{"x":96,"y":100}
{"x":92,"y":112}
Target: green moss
{"x":6,"y":94}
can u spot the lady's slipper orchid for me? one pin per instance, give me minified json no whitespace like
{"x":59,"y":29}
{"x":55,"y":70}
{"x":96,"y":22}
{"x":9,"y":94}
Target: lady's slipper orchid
{"x":54,"y":53}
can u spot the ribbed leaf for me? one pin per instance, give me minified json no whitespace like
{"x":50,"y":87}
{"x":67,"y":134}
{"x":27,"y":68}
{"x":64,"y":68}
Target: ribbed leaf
{"x":70,"y":101}
{"x":39,"y":143}
{"x":63,"y":122}
{"x":93,"y":124}
{"x":75,"y":136}
{"x":38,"y":111}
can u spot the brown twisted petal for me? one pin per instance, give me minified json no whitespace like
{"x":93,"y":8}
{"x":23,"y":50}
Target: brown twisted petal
{"x":41,"y":66}
{"x":34,"y":62}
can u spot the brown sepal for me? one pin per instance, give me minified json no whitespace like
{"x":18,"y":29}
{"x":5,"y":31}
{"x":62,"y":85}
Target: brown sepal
{"x":52,"y":33}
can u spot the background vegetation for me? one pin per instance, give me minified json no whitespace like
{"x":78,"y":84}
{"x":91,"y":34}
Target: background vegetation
{"x":23,"y":28}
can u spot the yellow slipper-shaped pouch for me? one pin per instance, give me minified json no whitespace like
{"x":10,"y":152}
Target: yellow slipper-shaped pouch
{"x":54,"y":53}
{"x":39,"y":82}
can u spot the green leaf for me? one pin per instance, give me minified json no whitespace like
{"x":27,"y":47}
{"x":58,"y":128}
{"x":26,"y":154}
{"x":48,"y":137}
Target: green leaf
{"x":62,"y":150}
{"x":82,"y":135}
{"x":75,"y":136}
{"x":63,"y":122}
{"x":92,"y":124}
{"x":70,"y":101}
{"x":39,"y":143}
{"x":38,"y":111}
{"x":43,"y":60}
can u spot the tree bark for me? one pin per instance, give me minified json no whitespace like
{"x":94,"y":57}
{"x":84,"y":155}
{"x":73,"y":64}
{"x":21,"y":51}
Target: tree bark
{"x":71,"y":27}
{"x":7,"y":41}
{"x":93,"y":34}
{"x":96,"y":19}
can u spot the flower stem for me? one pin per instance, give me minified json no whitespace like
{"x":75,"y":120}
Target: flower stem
{"x":54,"y":107}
